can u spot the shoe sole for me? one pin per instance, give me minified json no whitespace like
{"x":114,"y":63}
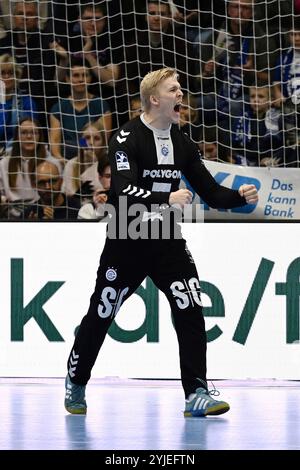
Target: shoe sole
{"x":213,"y":411}
{"x":76,"y":411}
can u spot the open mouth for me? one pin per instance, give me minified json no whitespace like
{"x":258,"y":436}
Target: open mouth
{"x":177,"y":107}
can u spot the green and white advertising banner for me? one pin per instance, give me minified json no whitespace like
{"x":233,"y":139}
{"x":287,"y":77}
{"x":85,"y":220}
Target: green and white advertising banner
{"x":251,"y":288}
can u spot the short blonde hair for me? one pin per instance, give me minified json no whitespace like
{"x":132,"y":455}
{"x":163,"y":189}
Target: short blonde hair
{"x":8,"y":59}
{"x":150,"y":83}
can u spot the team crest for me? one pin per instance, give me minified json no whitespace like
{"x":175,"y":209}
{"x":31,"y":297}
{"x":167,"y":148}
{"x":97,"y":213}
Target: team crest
{"x":111,"y":274}
{"x":164,"y":150}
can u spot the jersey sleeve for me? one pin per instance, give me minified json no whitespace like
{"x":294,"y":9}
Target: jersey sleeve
{"x":214,"y":194}
{"x":125,"y":169}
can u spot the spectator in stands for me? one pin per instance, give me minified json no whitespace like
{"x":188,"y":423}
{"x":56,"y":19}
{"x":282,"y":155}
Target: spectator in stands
{"x":189,"y":117}
{"x":65,"y":15}
{"x":18,"y":170}
{"x":208,"y":145}
{"x":157,"y":46}
{"x":286,"y":82}
{"x":96,"y":209}
{"x":135,"y":107}
{"x":241,"y":54}
{"x":291,"y":133}
{"x":91,"y":40}
{"x":286,"y":78}
{"x":7,"y":9}
{"x":52,"y":204}
{"x":70,"y":114}
{"x":80,"y":175}
{"x":32,"y":49}
{"x":211,"y":148}
{"x":196,"y":19}
{"x":275,"y":17}
{"x":186,"y":17}
{"x":254,"y":137}
{"x":14,"y":105}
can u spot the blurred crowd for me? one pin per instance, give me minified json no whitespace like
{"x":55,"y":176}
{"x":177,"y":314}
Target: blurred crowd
{"x":70,"y":72}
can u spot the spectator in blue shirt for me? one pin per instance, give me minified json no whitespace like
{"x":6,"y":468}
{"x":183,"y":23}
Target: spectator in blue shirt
{"x":69,"y":115}
{"x":13,"y":104}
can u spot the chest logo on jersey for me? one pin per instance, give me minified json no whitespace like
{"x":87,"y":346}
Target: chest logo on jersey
{"x":122,"y":161}
{"x":164,"y":150}
{"x":176,"y":174}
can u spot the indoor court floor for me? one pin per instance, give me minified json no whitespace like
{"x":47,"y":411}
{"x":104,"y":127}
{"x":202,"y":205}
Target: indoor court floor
{"x":128,"y":414}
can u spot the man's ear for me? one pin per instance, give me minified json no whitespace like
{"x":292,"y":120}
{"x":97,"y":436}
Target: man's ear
{"x":154,"y":100}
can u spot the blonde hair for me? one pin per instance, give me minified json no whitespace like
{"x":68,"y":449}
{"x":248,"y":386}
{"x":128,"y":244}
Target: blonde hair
{"x":8,"y":59}
{"x":150,"y":83}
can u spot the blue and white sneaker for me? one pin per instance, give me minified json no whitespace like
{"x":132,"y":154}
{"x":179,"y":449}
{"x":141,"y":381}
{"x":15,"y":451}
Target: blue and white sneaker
{"x":201,"y":403}
{"x":75,"y":398}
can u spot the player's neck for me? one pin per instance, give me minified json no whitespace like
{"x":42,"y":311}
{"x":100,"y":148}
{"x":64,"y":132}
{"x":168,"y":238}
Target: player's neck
{"x":156,"y":121}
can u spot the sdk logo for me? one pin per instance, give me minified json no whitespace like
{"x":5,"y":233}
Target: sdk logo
{"x":21,"y":314}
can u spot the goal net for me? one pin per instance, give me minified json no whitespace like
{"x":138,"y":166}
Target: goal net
{"x":70,"y":73}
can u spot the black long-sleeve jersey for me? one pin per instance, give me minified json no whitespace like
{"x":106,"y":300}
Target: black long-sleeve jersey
{"x":147,"y":165}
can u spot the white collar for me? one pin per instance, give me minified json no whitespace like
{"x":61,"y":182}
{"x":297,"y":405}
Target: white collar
{"x":159,"y":132}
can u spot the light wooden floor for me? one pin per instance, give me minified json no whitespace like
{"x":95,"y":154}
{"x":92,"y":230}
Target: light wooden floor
{"x":140,"y":414}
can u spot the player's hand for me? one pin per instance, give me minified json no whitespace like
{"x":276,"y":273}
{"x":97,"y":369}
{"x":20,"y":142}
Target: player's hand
{"x":180,"y":197}
{"x":249,"y":192}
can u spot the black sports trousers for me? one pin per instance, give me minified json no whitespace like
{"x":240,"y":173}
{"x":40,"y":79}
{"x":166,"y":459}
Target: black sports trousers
{"x":124,"y":264}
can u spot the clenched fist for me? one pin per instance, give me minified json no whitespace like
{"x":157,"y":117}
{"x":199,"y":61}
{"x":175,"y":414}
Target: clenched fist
{"x":249,"y":192}
{"x":180,"y":197}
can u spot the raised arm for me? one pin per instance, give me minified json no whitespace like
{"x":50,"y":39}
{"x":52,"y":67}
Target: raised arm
{"x":214,"y":194}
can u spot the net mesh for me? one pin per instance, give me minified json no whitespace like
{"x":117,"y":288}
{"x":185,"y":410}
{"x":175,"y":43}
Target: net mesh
{"x":70,"y":76}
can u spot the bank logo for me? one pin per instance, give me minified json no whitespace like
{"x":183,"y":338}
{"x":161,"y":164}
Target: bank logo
{"x":111,"y":274}
{"x":122,"y":161}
